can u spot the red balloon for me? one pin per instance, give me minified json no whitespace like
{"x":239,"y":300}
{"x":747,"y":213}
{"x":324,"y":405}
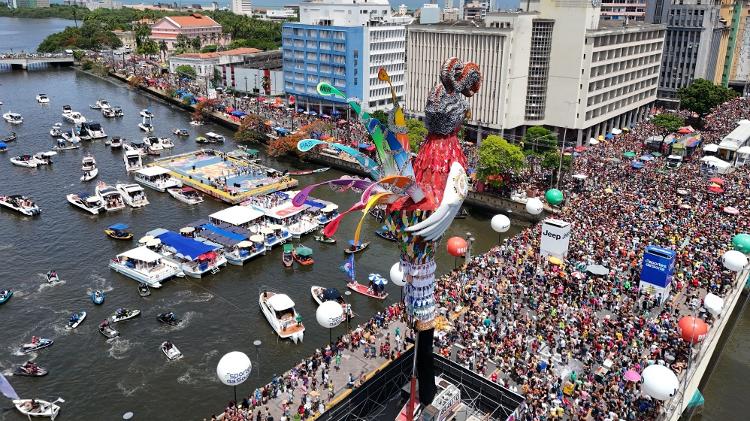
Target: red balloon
{"x":457,"y":246}
{"x":692,"y":329}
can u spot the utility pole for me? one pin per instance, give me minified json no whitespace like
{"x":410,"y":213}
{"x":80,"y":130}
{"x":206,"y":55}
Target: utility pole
{"x":562,"y":151}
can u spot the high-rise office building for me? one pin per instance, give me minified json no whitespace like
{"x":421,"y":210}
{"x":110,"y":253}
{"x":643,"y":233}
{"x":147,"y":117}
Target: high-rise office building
{"x":624,"y":10}
{"x":242,"y":7}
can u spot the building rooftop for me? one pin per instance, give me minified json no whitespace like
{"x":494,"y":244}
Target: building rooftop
{"x":234,"y":52}
{"x":196,"y":20}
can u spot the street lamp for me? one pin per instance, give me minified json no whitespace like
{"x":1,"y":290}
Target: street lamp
{"x":257,"y":344}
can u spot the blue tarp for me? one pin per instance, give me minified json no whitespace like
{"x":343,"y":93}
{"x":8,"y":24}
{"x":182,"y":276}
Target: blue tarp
{"x":609,"y":136}
{"x":636,"y":165}
{"x":118,"y":227}
{"x":187,"y":247}
{"x":224,"y":233}
{"x":281,"y":130}
{"x":3,"y":145}
{"x":315,"y":204}
{"x":238,"y":113}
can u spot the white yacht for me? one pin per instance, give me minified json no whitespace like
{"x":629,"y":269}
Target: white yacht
{"x":27,"y":161}
{"x":86,"y":202}
{"x":74,"y":117}
{"x":100,"y":104}
{"x":281,"y":315}
{"x":20,"y":204}
{"x":71,"y":137}
{"x":145,"y":266}
{"x":56,"y":130}
{"x":42,"y":98}
{"x":157,"y":178}
{"x":93,"y":130}
{"x":88,"y":166}
{"x":112,"y":112}
{"x":245,"y":250}
{"x":214,"y":137}
{"x":186,"y":195}
{"x":166,"y":143}
{"x":146,"y":125}
{"x":132,"y":158}
{"x":133,"y":194}
{"x":153,"y":145}
{"x":146,"y":113}
{"x":13,"y":118}
{"x":44,"y":158}
{"x":110,"y":196}
{"x":116,"y":142}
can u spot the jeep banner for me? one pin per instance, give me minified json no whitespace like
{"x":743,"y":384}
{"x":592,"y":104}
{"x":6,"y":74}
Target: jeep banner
{"x":555,"y":238}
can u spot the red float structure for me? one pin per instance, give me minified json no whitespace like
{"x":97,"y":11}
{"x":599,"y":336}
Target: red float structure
{"x":457,"y":246}
{"x":692,"y":329}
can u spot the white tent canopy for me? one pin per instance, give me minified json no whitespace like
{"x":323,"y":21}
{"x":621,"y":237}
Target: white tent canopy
{"x":744,"y":150}
{"x":616,"y":131}
{"x":280,"y":302}
{"x":722,"y":166}
{"x":152,"y":171}
{"x":711,"y":148}
{"x":142,"y":254}
{"x":237,"y":215}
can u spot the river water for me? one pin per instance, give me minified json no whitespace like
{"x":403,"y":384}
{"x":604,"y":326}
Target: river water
{"x":101,"y":380}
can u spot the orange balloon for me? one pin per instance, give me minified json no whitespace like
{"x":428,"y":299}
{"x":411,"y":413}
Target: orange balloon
{"x":457,"y":246}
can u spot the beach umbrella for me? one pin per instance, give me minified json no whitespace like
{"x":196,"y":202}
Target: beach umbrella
{"x":579,"y":148}
{"x":598,"y":270}
{"x":580,"y":176}
{"x":331,"y":294}
{"x":682,"y":192}
{"x":637,"y":165}
{"x":713,"y":303}
{"x":684,"y":206}
{"x":629,"y":154}
{"x":731,"y":210}
{"x":593,"y":142}
{"x":187,"y":230}
{"x":715,"y":189}
{"x":716,"y":180}
{"x":555,"y":260}
{"x":145,"y":239}
{"x":659,"y":382}
{"x":397,"y":274}
{"x":244,"y":244}
{"x":554,"y":197}
{"x":632,"y":376}
{"x":155,"y":242}
{"x":656,"y":154}
{"x":457,"y":246}
{"x":734,"y":260}
{"x":600,"y":138}
{"x":256,"y":238}
{"x":646,"y":158}
{"x":500,"y":223}
{"x":377,"y":279}
{"x":534,"y":206}
{"x":741,"y":242}
{"x":692,"y":329}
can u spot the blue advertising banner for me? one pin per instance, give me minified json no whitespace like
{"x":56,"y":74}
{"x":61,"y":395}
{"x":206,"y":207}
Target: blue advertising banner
{"x":657,"y":266}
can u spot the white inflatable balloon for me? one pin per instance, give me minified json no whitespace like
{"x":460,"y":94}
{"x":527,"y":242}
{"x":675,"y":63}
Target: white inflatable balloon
{"x":534,"y":206}
{"x":500,"y":223}
{"x":713,"y":303}
{"x":659,"y":382}
{"x":329,"y":314}
{"x":734,"y":260}
{"x":397,"y":274}
{"x":234,"y":368}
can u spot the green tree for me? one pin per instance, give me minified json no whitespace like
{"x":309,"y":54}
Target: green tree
{"x":702,"y":95}
{"x":209,"y":48}
{"x":497,"y":156}
{"x":182,"y":42}
{"x":163,"y":49}
{"x":551,"y":160}
{"x":539,"y":139}
{"x":381,"y":116}
{"x":416,"y":132}
{"x":90,"y":36}
{"x":149,"y":47}
{"x":668,"y":122}
{"x":186,"y":71}
{"x":195,"y":43}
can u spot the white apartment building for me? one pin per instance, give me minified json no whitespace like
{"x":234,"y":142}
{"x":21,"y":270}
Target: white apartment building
{"x":556,"y":65}
{"x":242,"y":7}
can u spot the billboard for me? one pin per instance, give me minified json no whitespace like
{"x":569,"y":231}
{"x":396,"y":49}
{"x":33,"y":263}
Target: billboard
{"x":555,"y":238}
{"x":657,"y":268}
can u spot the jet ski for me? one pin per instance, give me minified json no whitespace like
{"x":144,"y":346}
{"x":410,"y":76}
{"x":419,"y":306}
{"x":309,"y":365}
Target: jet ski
{"x":168,"y":318}
{"x":30,"y":370}
{"x":36,"y":344}
{"x":52,"y":277}
{"x":144,"y":290}
{"x":76,"y":319}
{"x":97,"y":297}
{"x":123,"y":314}
{"x":170,"y":350}
{"x":107,"y":330}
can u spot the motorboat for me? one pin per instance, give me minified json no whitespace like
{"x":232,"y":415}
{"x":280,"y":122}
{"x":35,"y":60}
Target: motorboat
{"x":356,"y":247}
{"x":153,"y":145}
{"x":170,"y":350}
{"x":29,"y":369}
{"x":287,"y":257}
{"x":56,"y":130}
{"x":38,"y":408}
{"x":100,"y":104}
{"x":133,"y":195}
{"x":168,"y":318}
{"x":321,"y":295}
{"x":123,"y":314}
{"x":88,"y":166}
{"x":146,"y":113}
{"x":112,"y":112}
{"x":195,"y":258}
{"x":214,"y":137}
{"x":92,"y":130}
{"x":119,"y":231}
{"x":63,"y":146}
{"x":74,"y":117}
{"x":76,"y":319}
{"x":186,"y":195}
{"x":66,"y":109}
{"x":116,"y":142}
{"x":44,"y":158}
{"x":10,"y":138}
{"x":117,"y":110}
{"x":20,"y":204}
{"x":196,"y":123}
{"x":303,"y":255}
{"x":180,"y":132}
{"x":144,"y":290}
{"x":36,"y":344}
{"x":146,"y":125}
{"x":27,"y":161}
{"x":132,"y":158}
{"x":201,"y":139}
{"x":86,"y":202}
{"x":166,"y":143}
{"x":107,"y":330}
{"x":97,"y":297}
{"x":71,"y":137}
{"x":145,"y":266}
{"x":42,"y":98}
{"x":110,"y":197}
{"x":281,"y":315}
{"x":5,"y":295}
{"x":13,"y":118}
{"x":157,"y":178}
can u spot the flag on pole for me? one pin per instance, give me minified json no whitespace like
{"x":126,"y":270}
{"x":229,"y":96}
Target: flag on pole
{"x":7,"y":389}
{"x":348,"y":267}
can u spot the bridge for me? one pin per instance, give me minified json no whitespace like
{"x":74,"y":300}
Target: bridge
{"x":25,"y":61}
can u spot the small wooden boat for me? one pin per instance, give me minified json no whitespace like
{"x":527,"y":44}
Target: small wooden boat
{"x":119,"y":232}
{"x":107,"y":330}
{"x":30,"y":370}
{"x":10,"y":138}
{"x":287,"y":258}
{"x":303,"y":255}
{"x":386,"y":234}
{"x":323,"y":239}
{"x":76,"y":319}
{"x":365,"y":290}
{"x":5,"y":295}
{"x":97,"y":297}
{"x":170,"y":350}
{"x":144,"y":290}
{"x":356,"y":248}
{"x":38,"y":408}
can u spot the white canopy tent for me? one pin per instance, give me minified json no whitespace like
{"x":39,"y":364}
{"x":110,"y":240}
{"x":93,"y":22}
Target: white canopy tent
{"x":152,"y":171}
{"x":722,"y":167}
{"x":236,"y":215}
{"x":141,"y":254}
{"x":712,"y":148}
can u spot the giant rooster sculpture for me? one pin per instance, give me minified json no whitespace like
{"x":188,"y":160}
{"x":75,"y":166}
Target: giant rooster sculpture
{"x":421,"y":195}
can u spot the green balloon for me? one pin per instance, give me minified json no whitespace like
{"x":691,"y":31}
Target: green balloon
{"x":554,"y":197}
{"x":742,"y":242}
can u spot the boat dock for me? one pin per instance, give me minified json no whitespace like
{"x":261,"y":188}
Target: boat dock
{"x":224,"y":177}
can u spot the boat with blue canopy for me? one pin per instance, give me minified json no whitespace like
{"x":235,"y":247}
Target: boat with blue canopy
{"x":195,"y":258}
{"x":119,"y":231}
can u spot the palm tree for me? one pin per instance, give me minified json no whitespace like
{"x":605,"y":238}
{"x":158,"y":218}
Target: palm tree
{"x":163,"y":50}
